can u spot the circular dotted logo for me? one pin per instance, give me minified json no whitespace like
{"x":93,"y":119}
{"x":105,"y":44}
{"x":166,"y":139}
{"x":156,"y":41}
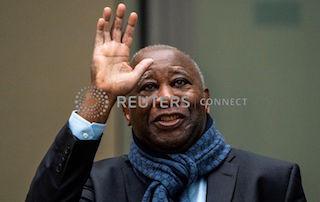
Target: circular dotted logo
{"x":92,"y":101}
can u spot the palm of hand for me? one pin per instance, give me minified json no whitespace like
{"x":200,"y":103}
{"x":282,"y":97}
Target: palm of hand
{"x":110,"y":69}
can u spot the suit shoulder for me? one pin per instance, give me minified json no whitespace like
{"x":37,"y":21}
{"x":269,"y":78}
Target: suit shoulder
{"x":250,"y":159}
{"x":263,"y":177}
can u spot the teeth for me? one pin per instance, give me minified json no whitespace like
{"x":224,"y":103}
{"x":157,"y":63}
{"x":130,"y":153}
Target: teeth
{"x":169,"y":117}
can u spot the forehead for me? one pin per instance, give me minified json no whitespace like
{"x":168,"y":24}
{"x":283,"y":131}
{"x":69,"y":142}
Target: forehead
{"x":166,"y":59}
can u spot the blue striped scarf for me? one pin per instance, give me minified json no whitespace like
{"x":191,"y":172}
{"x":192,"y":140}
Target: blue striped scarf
{"x":172,"y":173}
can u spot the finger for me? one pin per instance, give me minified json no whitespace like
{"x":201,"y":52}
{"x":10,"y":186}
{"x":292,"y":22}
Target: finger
{"x":99,"y":32}
{"x":106,"y":17}
{"x":128,"y":34}
{"x":117,"y":23}
{"x":142,"y":66}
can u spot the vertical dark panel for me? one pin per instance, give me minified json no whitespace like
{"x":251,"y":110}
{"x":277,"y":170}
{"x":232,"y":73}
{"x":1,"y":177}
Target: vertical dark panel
{"x":283,"y":13}
{"x":166,"y":22}
{"x":143,"y":12}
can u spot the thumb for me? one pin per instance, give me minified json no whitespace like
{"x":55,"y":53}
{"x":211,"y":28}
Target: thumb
{"x":142,"y":66}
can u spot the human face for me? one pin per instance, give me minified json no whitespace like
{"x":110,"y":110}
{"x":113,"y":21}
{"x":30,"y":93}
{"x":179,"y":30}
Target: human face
{"x":168,"y":129}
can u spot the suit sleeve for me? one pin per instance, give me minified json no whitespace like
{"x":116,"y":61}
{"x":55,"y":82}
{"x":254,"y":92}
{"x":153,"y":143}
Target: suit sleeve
{"x":88,"y":192}
{"x":295,"y":191}
{"x":64,"y":170}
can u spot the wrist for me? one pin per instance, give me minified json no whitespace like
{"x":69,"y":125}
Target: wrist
{"x":94,"y":104}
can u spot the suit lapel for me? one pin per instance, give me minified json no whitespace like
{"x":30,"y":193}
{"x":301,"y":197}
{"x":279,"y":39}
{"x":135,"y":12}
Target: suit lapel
{"x":221,"y":183}
{"x":135,"y":186}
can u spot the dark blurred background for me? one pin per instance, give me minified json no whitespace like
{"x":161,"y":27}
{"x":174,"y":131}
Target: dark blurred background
{"x":264,"y":51}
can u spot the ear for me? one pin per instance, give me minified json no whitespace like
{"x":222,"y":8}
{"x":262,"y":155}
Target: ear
{"x":126,"y":113}
{"x":206,"y":93}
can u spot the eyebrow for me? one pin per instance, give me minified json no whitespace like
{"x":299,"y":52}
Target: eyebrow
{"x":179,"y":69}
{"x":145,"y":76}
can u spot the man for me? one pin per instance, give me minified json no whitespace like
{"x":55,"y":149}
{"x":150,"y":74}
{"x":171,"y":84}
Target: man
{"x":177,"y":154}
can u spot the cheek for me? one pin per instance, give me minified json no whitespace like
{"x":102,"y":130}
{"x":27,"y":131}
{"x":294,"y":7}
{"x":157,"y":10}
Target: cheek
{"x":140,"y":118}
{"x":139,"y":114}
{"x":194,"y":98}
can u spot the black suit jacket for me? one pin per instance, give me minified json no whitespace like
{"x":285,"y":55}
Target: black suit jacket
{"x":67,"y":173}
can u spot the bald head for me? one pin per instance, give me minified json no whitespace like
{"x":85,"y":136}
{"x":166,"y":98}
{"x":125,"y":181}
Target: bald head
{"x":180,"y":55}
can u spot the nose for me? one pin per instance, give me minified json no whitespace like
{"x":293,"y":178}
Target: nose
{"x":165,"y":94}
{"x":165,"y":91}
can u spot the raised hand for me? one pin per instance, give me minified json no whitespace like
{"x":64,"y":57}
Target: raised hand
{"x":110,"y":69}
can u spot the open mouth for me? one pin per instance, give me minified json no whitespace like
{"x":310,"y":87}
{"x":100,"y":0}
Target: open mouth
{"x":169,"y":121}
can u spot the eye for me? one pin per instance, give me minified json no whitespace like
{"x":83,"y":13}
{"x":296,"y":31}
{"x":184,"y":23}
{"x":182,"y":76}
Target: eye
{"x":180,"y":82}
{"x":148,"y":87}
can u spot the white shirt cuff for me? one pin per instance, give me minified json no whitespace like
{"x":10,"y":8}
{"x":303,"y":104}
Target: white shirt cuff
{"x":83,"y":129}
